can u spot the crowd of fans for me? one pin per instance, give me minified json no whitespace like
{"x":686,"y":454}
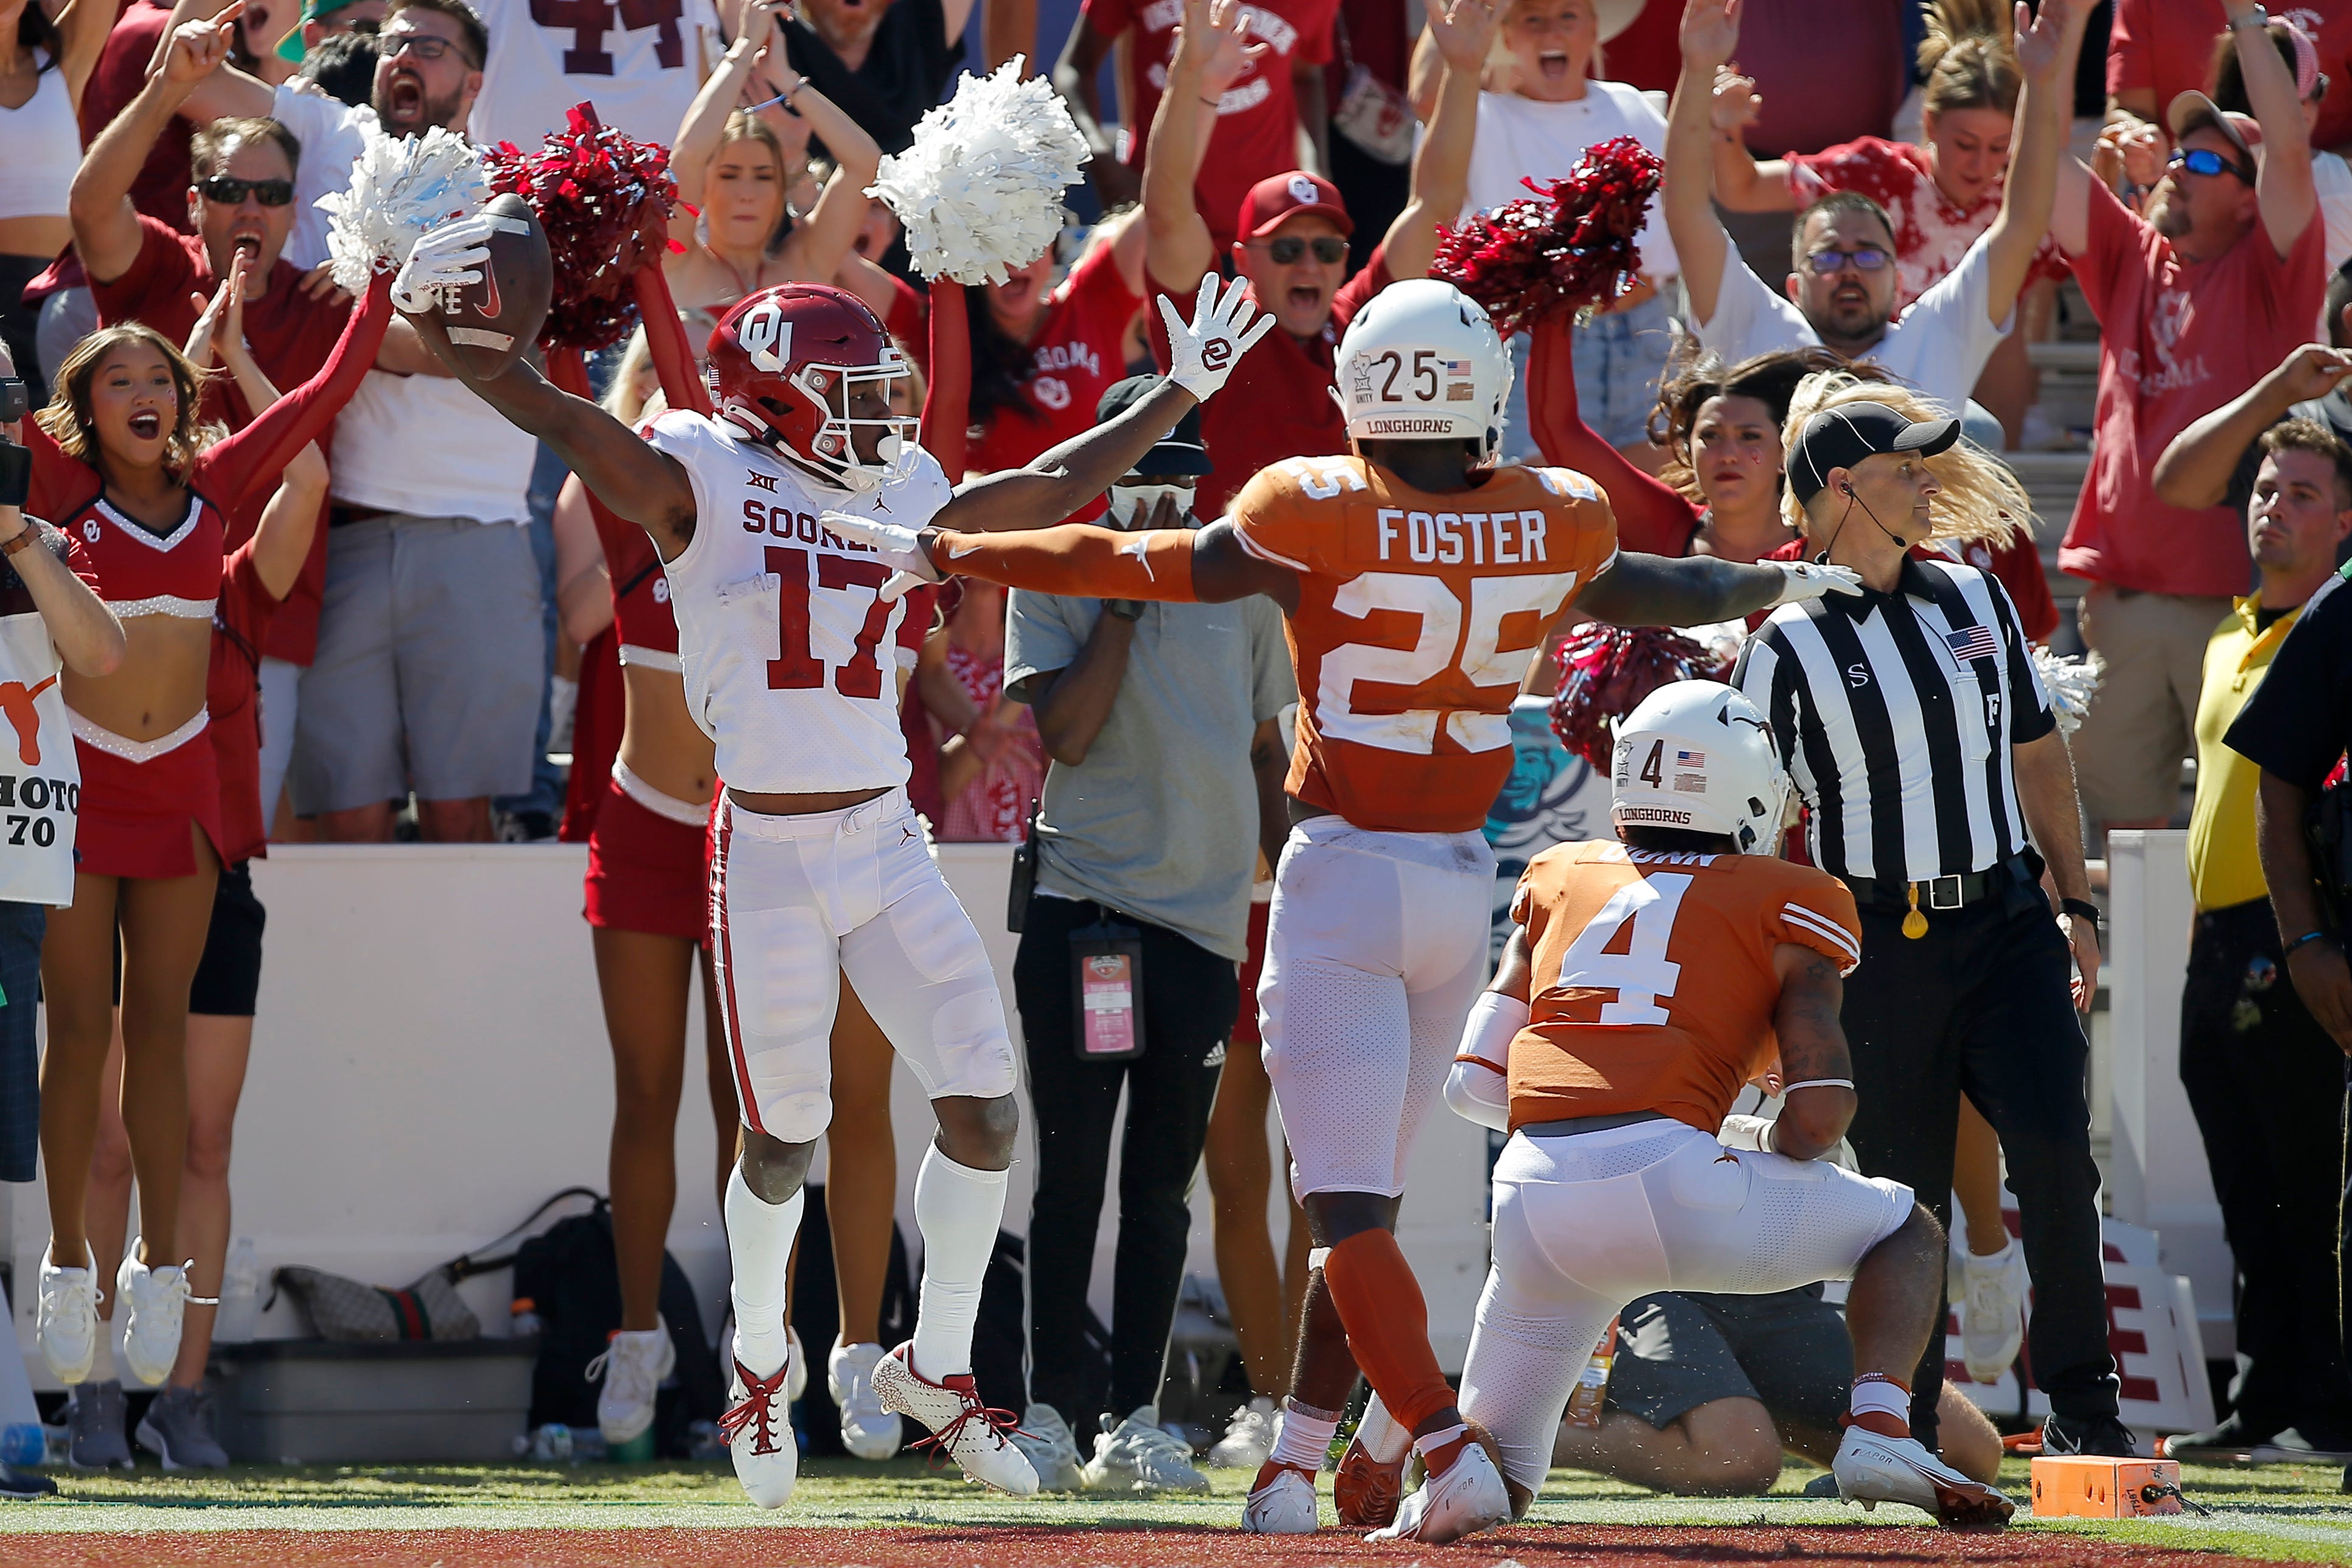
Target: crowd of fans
{"x":441,"y":612}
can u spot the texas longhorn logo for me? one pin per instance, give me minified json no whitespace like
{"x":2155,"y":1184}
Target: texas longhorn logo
{"x":766,"y":336}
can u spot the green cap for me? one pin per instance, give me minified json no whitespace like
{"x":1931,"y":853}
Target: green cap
{"x":292,"y":48}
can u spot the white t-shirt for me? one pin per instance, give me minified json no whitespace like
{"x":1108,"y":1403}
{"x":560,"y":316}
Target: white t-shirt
{"x":40,"y":782}
{"x":1938,"y":345}
{"x":2332,"y":178}
{"x":333,"y":135}
{"x":1521,"y":139}
{"x":640,"y":63}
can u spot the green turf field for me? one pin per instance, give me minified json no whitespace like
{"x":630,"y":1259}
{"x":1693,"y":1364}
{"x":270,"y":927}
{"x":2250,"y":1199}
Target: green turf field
{"x":2280,"y":1512}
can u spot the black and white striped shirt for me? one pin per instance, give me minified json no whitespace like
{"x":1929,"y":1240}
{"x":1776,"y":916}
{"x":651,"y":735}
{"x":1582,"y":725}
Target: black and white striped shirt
{"x":1896,"y":715}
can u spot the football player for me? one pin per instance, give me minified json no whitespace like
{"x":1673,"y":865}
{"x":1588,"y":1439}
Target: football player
{"x":1648,"y":980}
{"x":821,"y":867}
{"x":1417,"y":579}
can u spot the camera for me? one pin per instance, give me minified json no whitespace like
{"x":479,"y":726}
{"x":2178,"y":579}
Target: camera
{"x":16,"y":462}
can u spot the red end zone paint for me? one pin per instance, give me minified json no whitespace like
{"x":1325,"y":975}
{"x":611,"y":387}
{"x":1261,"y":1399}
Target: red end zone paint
{"x":786,"y":1545}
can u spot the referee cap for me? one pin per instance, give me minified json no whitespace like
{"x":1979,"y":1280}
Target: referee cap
{"x":1842,"y":436}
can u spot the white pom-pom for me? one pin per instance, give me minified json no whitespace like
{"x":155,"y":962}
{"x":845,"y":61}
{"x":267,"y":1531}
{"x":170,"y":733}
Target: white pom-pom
{"x":979,"y":192}
{"x":402,"y":186}
{"x":2071,"y":682}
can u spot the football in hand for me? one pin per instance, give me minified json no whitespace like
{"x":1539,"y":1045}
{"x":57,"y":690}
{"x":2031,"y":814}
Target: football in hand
{"x":487,"y":326}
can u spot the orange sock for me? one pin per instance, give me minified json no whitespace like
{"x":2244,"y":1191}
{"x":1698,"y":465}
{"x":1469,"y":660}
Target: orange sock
{"x":1387,"y":1324}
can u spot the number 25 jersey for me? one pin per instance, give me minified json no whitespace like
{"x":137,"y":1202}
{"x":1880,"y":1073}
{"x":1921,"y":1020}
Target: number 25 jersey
{"x":1417,"y":616}
{"x":1655,"y":986}
{"x":787,"y":650}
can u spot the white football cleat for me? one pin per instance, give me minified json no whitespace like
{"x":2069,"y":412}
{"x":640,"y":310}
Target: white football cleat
{"x":67,"y":1321}
{"x":154,"y":1302}
{"x":1467,"y":1498}
{"x":1140,"y":1457}
{"x":1282,"y":1503}
{"x":975,"y":1435}
{"x":631,"y":1368}
{"x":868,"y":1431}
{"x":757,"y":1427}
{"x":1053,"y":1452}
{"x":1872,"y":1468}
{"x":1993,"y":1311}
{"x":1248,"y":1439}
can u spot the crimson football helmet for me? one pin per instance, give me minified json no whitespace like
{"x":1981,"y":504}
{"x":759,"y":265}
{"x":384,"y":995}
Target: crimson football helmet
{"x":786,"y":364}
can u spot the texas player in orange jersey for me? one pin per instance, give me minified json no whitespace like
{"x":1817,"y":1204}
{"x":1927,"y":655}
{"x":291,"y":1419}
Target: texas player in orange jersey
{"x":1417,"y":579}
{"x":1648,"y":980}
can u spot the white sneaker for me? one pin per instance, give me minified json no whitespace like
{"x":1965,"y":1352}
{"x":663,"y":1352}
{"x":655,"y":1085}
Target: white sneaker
{"x":868,"y":1431}
{"x":796,"y":1384}
{"x":971,"y":1432}
{"x":1141,"y":1456}
{"x":1281,"y":1502}
{"x":758,"y":1427}
{"x":67,"y":1321}
{"x":1871,"y":1469}
{"x":631,"y":1367}
{"x":1248,"y":1439}
{"x":154,"y":1300}
{"x":1468,"y":1498}
{"x":1044,"y":1437}
{"x":1993,"y":1311}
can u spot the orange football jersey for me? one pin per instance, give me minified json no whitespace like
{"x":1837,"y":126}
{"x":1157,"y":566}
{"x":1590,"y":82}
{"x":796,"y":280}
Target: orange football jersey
{"x":1654,"y":986}
{"x":1417,"y":616}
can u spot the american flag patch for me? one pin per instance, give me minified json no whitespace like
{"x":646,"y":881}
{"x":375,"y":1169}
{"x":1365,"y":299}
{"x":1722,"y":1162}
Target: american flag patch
{"x":1976,"y":642}
{"x":1457,"y":368}
{"x":1690,"y":758}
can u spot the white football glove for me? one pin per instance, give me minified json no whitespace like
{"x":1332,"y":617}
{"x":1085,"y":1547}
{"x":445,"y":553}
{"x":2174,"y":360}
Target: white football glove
{"x":1806,"y":580}
{"x":900,"y":548}
{"x":1739,"y":1132}
{"x":1204,"y":351}
{"x":445,"y":259}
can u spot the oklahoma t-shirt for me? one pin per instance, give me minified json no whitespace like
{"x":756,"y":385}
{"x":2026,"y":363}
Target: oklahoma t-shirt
{"x":1932,"y":232}
{"x":1075,"y":358}
{"x":2177,"y":340}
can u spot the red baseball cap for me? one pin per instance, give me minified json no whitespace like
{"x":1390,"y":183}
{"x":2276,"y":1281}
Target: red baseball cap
{"x":1277,"y":198}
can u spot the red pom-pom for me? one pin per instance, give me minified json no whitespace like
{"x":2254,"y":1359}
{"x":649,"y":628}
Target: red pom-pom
{"x":1569,"y":246}
{"x":1606,"y":671}
{"x":605,"y":201}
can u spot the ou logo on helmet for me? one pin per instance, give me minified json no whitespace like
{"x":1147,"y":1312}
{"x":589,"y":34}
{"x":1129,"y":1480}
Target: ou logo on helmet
{"x":766,"y":337}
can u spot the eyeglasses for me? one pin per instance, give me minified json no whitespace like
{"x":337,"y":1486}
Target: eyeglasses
{"x":425,"y":46}
{"x":2206,"y":161}
{"x":1329,"y":249}
{"x":1869,"y":258}
{"x":229,"y":192}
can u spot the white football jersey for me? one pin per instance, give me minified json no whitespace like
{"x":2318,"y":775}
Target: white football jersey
{"x":639,"y":62}
{"x":787,"y":649}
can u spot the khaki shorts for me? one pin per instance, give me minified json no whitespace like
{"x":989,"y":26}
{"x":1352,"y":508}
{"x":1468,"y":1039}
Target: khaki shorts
{"x":2144,"y":719}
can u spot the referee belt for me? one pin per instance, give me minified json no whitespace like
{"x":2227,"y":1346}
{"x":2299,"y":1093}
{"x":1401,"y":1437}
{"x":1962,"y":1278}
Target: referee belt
{"x":1945,"y":892}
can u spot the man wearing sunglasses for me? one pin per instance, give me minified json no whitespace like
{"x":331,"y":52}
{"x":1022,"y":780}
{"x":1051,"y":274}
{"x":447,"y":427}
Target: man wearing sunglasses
{"x":1841,"y":283}
{"x":2197,"y":302}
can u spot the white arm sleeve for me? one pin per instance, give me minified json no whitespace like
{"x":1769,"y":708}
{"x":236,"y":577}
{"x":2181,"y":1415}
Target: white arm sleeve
{"x":1478,"y":1089}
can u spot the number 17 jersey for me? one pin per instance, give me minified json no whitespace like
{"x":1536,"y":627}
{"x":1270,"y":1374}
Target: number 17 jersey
{"x":1418,"y":615}
{"x":787,"y":649}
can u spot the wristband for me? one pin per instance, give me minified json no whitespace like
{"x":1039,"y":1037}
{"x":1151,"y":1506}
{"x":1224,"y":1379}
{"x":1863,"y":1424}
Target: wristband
{"x":2257,"y":18}
{"x":2081,"y":909}
{"x":1788,"y":1089}
{"x":25,"y":538}
{"x":2305,"y":940}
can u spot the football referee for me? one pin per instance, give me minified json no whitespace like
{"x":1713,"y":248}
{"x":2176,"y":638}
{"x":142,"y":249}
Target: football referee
{"x":1915,"y":728}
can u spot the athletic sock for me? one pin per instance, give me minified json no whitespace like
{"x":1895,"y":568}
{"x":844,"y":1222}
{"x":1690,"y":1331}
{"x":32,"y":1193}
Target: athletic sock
{"x":956,"y":1209}
{"x":1305,"y":1439}
{"x":1881,"y":1404}
{"x":1388,"y":1325}
{"x":1379,"y":1434}
{"x":759,"y":1245}
{"x":1439,"y":1449}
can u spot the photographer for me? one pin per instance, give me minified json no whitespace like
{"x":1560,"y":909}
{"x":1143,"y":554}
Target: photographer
{"x":48,"y":618}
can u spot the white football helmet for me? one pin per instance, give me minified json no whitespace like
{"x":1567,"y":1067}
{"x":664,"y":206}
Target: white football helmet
{"x":1421,"y":363}
{"x":1697,"y":756}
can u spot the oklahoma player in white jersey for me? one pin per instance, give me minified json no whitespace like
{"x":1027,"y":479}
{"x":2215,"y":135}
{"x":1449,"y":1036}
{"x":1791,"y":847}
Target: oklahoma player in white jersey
{"x":821,"y":867}
{"x":1417,"y":581}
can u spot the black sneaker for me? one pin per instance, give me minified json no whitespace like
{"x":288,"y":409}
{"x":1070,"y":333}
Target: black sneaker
{"x":25,"y":1484}
{"x":2100,"y":1435}
{"x":2234,"y":1439}
{"x":2315,"y":1444}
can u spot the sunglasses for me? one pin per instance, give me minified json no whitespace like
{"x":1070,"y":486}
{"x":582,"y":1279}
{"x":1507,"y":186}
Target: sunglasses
{"x":1329,"y":249}
{"x":2206,"y":161}
{"x":424,"y":45}
{"x":1869,"y":258}
{"x":229,"y":192}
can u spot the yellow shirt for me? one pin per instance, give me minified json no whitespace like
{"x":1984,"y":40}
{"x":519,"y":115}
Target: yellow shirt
{"x":2223,"y":865}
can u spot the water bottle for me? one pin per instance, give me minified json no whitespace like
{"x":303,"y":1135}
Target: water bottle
{"x":240,"y":1307}
{"x":551,"y":1444}
{"x":24,"y":1443}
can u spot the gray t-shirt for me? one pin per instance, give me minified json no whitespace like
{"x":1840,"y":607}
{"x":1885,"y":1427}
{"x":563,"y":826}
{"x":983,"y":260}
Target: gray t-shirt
{"x":1160,"y":821}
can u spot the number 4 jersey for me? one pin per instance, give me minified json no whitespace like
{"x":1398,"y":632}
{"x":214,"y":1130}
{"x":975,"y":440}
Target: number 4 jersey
{"x":1417,"y":616}
{"x":786,"y":647}
{"x":1653,"y":987}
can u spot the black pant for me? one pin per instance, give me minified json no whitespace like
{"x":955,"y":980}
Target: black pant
{"x":1981,"y":1005}
{"x":2267,"y":1085}
{"x":1190,"y":998}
